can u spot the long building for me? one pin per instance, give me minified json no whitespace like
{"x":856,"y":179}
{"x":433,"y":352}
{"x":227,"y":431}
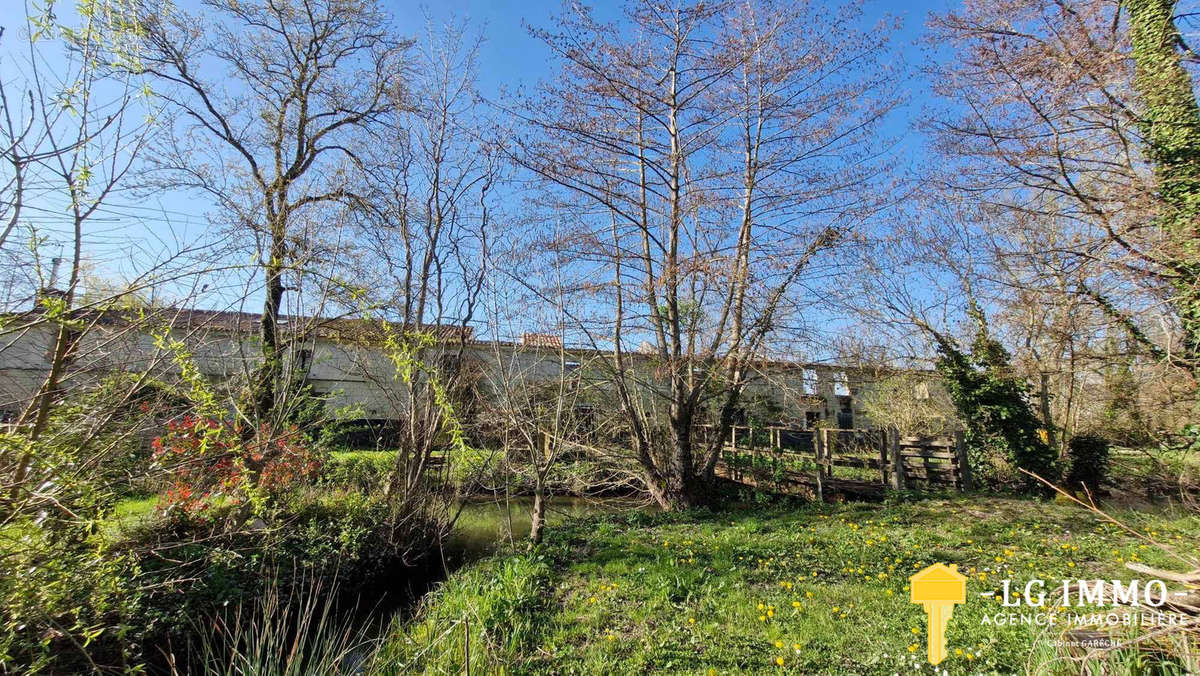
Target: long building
{"x":348,"y":360}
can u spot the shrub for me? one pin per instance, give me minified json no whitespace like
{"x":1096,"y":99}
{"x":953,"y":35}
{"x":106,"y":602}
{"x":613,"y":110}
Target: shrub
{"x":1088,"y":456}
{"x":66,"y":600}
{"x":66,"y":595}
{"x":109,"y":425}
{"x":210,"y":462}
{"x":343,"y":539}
{"x":1001,"y":427}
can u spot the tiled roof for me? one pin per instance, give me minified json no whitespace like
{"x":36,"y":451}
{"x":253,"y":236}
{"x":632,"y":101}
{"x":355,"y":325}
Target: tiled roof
{"x":246,"y":322}
{"x":540,"y":340}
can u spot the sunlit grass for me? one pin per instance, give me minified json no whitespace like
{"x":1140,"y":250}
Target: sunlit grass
{"x":818,"y":589}
{"x":130,"y":512}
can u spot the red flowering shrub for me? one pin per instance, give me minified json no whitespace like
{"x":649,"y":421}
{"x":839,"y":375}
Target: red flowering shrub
{"x":285,"y":461}
{"x":208,"y":460}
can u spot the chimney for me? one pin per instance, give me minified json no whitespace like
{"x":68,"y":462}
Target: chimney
{"x":49,"y":291}
{"x":54,"y":264}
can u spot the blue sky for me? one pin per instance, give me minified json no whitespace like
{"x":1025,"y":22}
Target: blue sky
{"x":510,"y":57}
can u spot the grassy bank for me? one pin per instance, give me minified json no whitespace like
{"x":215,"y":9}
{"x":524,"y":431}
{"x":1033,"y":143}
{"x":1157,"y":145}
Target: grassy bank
{"x":817,"y":589}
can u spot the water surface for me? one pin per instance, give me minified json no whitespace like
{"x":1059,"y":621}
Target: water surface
{"x":488,"y":524}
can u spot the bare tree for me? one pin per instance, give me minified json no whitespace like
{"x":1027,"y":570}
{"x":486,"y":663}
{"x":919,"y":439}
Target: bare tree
{"x":720,"y":149}
{"x":1069,"y":120}
{"x":425,"y":228}
{"x":541,"y":391}
{"x":70,"y":136}
{"x":268,"y":103}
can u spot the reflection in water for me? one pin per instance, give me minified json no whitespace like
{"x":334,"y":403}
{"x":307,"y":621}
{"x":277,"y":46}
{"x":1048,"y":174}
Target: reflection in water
{"x":487,"y":524}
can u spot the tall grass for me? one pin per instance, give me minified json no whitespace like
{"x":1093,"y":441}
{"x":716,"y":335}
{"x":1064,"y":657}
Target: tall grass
{"x":291,"y":630}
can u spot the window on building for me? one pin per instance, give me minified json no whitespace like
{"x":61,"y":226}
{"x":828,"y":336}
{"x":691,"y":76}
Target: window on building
{"x":841,"y":385}
{"x":808,"y":381}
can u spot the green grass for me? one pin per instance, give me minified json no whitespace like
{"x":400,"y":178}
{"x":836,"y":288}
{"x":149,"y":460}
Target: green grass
{"x":824,"y":588}
{"x":130,"y":512}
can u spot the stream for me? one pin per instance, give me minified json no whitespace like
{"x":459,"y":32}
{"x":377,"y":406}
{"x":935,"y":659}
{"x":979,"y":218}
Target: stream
{"x":486,"y":524}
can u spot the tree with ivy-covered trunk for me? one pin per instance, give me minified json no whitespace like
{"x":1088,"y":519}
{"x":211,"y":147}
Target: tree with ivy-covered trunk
{"x":1170,"y":126}
{"x":1076,"y":124}
{"x":994,"y":404}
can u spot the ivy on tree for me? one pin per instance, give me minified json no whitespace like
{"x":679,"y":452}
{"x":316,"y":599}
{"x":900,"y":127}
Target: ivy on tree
{"x":994,"y":404}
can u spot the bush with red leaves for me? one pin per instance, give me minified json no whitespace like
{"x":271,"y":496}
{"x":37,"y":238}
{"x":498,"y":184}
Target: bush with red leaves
{"x":209,"y":461}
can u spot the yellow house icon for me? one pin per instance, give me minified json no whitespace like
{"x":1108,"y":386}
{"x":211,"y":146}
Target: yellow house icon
{"x":938,"y":588}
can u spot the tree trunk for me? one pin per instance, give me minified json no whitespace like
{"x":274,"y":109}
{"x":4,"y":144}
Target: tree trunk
{"x":682,"y":489}
{"x":537,"y":517}
{"x":1171,"y":127}
{"x":64,"y":343}
{"x":265,"y":392}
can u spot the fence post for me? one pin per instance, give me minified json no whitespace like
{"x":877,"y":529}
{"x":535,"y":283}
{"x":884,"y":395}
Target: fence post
{"x":964,"y":468}
{"x":827,"y":453}
{"x":893,"y":443}
{"x":883,"y":456}
{"x":817,"y":441}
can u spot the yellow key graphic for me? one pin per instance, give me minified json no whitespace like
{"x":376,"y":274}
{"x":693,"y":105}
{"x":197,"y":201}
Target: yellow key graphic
{"x":939,"y":588}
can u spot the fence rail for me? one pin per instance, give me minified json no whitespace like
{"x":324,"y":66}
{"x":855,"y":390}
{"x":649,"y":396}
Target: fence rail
{"x":881,"y":459}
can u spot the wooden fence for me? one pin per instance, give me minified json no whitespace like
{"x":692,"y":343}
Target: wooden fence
{"x":879,"y":459}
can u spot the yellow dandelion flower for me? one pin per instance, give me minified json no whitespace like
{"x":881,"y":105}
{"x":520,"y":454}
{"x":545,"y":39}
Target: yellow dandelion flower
{"x":779,"y":661}
{"x":912,"y":648}
{"x":779,"y":644}
{"x":795,"y":604}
